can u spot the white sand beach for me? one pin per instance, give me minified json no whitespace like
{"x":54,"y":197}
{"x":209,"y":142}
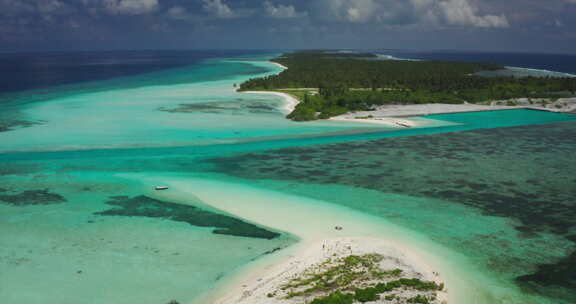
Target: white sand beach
{"x":314,"y":223}
{"x":290,"y":102}
{"x":558,"y":105}
{"x":279,"y":65}
{"x":423,"y":109}
{"x":389,"y":121}
{"x":258,"y":287}
{"x":402,"y":116}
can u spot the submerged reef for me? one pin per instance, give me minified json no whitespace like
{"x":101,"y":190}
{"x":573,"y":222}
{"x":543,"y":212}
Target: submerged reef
{"x":31,"y":197}
{"x":9,"y":168}
{"x":237,"y":107}
{"x":148,"y":207}
{"x":525,"y":174}
{"x":561,"y":273}
{"x":9,"y":125}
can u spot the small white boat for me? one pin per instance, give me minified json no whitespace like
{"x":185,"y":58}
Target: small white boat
{"x":160,"y":187}
{"x":405,"y":125}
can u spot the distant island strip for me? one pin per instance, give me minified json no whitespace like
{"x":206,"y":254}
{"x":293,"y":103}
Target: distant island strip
{"x":330,"y":84}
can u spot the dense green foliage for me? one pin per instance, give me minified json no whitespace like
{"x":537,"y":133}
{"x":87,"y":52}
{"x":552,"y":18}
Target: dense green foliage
{"x":419,"y":299}
{"x":339,"y":54}
{"x":313,"y":70}
{"x":371,"y":294}
{"x":339,"y":280}
{"x":335,"y":298}
{"x":346,"y":83}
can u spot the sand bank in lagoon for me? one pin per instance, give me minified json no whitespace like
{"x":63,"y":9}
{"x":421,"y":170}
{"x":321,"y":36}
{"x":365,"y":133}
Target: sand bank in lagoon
{"x":313,"y":221}
{"x":258,"y":287}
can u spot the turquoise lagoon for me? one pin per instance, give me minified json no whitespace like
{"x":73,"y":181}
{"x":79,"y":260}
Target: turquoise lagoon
{"x":489,"y":193}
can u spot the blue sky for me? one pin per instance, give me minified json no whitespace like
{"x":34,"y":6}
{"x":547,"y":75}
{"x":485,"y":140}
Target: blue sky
{"x":485,"y":25}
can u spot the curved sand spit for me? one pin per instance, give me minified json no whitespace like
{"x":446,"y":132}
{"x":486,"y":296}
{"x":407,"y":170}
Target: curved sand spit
{"x":314,"y":223}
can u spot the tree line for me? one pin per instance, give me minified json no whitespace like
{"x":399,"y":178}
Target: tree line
{"x":349,"y":83}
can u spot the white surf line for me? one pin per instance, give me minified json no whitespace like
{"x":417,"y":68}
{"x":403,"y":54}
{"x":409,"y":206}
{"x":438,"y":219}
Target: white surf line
{"x":543,"y":71}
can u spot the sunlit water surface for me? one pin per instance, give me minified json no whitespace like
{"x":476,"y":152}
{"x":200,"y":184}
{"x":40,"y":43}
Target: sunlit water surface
{"x":81,"y":222}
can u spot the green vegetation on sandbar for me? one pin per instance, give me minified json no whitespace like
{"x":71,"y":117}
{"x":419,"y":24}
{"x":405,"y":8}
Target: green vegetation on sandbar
{"x":354,"y":279}
{"x":344,"y":83}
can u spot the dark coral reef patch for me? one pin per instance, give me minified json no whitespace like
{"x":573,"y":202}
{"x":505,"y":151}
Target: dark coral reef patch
{"x":236,"y":107}
{"x":522,"y":173}
{"x":148,"y":207}
{"x":31,"y":197}
{"x":9,"y":125}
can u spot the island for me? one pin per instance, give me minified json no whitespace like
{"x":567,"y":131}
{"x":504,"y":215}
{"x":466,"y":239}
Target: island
{"x":328,"y":84}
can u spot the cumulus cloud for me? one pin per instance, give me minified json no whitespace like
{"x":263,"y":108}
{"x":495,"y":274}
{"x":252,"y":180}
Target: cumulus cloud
{"x":349,"y":10}
{"x":130,"y":7}
{"x":463,"y":13}
{"x":281,"y":11}
{"x":15,"y":7}
{"x":218,"y":8}
{"x":424,"y":12}
{"x":177,"y":13}
{"x":51,"y":6}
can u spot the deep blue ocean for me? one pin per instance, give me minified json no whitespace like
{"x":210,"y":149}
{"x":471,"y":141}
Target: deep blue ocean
{"x":28,"y":71}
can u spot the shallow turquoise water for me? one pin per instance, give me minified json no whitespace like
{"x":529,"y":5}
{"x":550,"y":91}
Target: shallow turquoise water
{"x":503,"y":196}
{"x":423,"y":179}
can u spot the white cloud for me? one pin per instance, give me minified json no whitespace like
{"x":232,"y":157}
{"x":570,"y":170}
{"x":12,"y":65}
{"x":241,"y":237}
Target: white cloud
{"x":15,"y":7}
{"x":440,"y":13}
{"x":281,"y":11}
{"x":177,"y":13}
{"x":349,"y":10}
{"x":130,"y":7}
{"x":558,"y":23}
{"x":218,"y":8}
{"x":50,"y":6}
{"x":461,"y":12}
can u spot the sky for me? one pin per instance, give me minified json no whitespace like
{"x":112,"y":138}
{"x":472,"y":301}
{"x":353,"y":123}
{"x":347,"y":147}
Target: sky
{"x":483,"y":25}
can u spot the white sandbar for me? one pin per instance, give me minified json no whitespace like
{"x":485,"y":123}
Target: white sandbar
{"x":256,"y":288}
{"x":389,"y":121}
{"x":313,"y":221}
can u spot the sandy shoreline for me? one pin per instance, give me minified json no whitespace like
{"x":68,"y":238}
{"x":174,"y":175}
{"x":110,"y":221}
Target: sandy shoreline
{"x":298,"y":216}
{"x":279,"y":65}
{"x":260,"y":285}
{"x":401,"y":115}
{"x":289,"y":101}
{"x":389,"y":121}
